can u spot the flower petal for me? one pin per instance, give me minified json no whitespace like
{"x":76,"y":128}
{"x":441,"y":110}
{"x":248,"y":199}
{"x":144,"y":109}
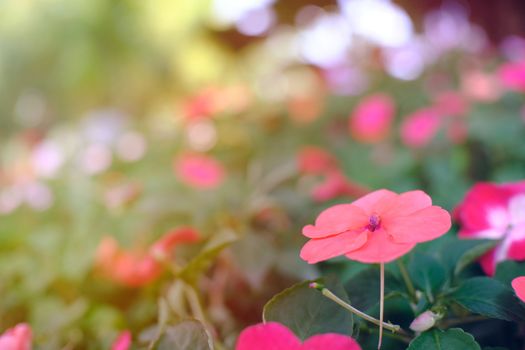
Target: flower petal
{"x":420,"y":226}
{"x":407,"y":203}
{"x":316,"y":250}
{"x":330,"y":341}
{"x":267,"y":336}
{"x":379,"y":248}
{"x":368,"y":202}
{"x":336,"y":219}
{"x":519,"y":287}
{"x":488,"y":262}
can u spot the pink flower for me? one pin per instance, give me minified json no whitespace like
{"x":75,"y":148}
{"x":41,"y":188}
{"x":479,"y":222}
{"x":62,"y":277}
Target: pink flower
{"x":420,"y":127}
{"x":335,"y":185}
{"x":371,"y":120}
{"x":512,"y":75}
{"x":315,"y":160}
{"x":424,"y":321}
{"x":376,"y":228}
{"x":17,"y":338}
{"x":199,"y":170}
{"x":480,"y":86}
{"x":493,"y":211}
{"x":451,"y":104}
{"x":123,"y":342}
{"x":138,"y":268}
{"x":275,"y":336}
{"x":519,"y":287}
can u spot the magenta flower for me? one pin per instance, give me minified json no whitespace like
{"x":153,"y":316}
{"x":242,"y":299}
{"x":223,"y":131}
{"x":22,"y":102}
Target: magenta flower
{"x":512,"y":75}
{"x":16,"y":338}
{"x":371,"y":120}
{"x":275,"y":336}
{"x":495,"y":211}
{"x":199,"y":170}
{"x":123,"y":342}
{"x":420,"y":127}
{"x":518,"y":284}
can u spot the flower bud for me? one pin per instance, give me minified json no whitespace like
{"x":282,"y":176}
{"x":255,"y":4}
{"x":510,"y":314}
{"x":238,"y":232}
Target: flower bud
{"x":424,"y":321}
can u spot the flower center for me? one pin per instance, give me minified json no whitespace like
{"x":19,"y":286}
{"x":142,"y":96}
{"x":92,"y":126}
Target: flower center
{"x":374,"y":222}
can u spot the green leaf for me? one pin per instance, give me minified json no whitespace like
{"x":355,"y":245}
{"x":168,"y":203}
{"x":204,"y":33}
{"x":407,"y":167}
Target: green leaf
{"x":489,"y":297}
{"x":506,"y":271}
{"x":452,"y":339}
{"x":307,"y":312}
{"x":426,"y":273}
{"x":201,"y":262}
{"x":363,"y":288}
{"x":460,"y":253}
{"x":186,"y":335}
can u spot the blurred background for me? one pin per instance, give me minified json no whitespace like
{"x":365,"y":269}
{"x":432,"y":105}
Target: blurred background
{"x":242,"y":119}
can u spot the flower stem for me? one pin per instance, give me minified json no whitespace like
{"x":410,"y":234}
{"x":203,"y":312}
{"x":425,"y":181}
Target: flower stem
{"x":406,"y":279}
{"x":327,"y":293}
{"x":381,"y":301}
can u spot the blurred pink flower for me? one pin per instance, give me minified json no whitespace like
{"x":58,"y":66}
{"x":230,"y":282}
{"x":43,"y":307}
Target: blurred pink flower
{"x":495,"y":211}
{"x":372,"y":118}
{"x":315,"y":160}
{"x":451,"y":104}
{"x":335,"y":185}
{"x":518,"y":284}
{"x":123,"y":342}
{"x":16,"y":338}
{"x":480,"y":86}
{"x":512,"y":75}
{"x":420,"y":127}
{"x":199,"y":170}
{"x":275,"y":336}
{"x":376,"y":228}
{"x":137,"y":268}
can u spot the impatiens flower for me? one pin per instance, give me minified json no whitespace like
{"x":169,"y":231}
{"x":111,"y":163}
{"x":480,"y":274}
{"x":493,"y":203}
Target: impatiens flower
{"x":199,"y":170}
{"x":275,"y":336}
{"x":492,"y":211}
{"x":17,"y":338}
{"x":371,"y":120}
{"x":123,"y":342}
{"x":512,"y":75}
{"x":376,"y":228}
{"x":480,"y":86}
{"x":335,"y":185}
{"x":519,"y":287}
{"x":315,"y":160}
{"x":451,"y":104}
{"x":137,"y":268}
{"x":419,"y":128}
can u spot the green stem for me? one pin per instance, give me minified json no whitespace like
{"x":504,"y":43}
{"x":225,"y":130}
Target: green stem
{"x":327,"y":293}
{"x":406,"y":279}
{"x":381,"y":302}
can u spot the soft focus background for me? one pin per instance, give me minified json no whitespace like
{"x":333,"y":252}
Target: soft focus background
{"x":241,"y":119}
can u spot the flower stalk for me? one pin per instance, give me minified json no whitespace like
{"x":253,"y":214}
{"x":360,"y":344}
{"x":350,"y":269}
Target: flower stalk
{"x":327,"y":293}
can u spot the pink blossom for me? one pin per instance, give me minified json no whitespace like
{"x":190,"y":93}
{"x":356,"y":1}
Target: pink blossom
{"x":376,"y":228}
{"x":134,"y":268}
{"x":315,"y":160}
{"x":199,"y":170}
{"x":451,"y":104}
{"x":518,"y":284}
{"x":372,"y":118}
{"x":123,"y":342}
{"x":335,"y":185}
{"x":495,"y":211}
{"x":16,"y":338}
{"x":512,"y":75}
{"x":275,"y":336}
{"x":424,"y":321}
{"x":480,"y":86}
{"x":420,"y":127}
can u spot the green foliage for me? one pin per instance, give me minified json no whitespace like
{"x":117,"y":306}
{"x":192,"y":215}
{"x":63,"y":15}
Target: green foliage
{"x":489,"y":297}
{"x":452,"y":339}
{"x":307,"y":312}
